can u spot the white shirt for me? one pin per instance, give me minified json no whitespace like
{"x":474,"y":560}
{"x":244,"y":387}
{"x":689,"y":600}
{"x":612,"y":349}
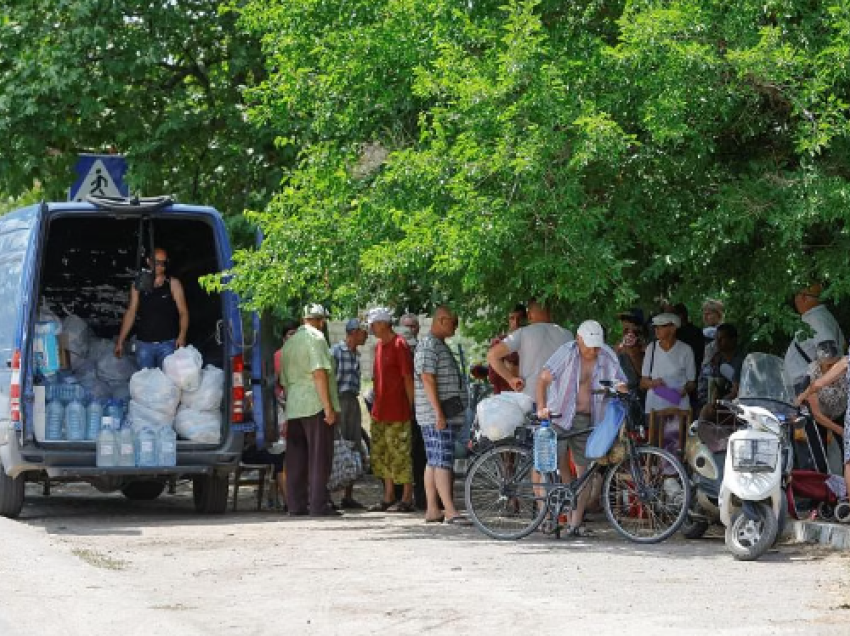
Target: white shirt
{"x":535,"y":344}
{"x":825,"y":327}
{"x":676,"y":367}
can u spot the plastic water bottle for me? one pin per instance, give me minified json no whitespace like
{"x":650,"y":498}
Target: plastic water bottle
{"x":55,"y":417}
{"x":126,"y":447}
{"x":116,"y":412}
{"x":545,"y":448}
{"x":106,"y":445}
{"x":146,"y":447}
{"x":166,"y":449}
{"x":75,"y":421}
{"x":93,"y":418}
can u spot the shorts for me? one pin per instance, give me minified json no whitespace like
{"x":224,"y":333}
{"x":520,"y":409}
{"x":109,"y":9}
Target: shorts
{"x":350,"y":420}
{"x":439,"y":447}
{"x":576,"y":443}
{"x":392,"y":444}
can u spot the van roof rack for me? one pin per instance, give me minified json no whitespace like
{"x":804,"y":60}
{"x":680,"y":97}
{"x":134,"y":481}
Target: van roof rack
{"x":123,"y":204}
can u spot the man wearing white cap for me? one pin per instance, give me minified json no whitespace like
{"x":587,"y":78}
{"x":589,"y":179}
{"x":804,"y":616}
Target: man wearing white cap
{"x":669,"y":369}
{"x":312,"y":404}
{"x":565,"y":385}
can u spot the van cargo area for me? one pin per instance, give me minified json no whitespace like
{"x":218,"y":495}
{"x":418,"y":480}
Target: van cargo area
{"x":81,"y":262}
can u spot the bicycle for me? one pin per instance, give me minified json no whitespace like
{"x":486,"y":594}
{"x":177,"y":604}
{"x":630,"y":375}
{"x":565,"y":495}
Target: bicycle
{"x":645,"y":492}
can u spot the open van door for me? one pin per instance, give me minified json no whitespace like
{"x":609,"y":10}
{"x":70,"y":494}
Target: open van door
{"x":263,"y":376}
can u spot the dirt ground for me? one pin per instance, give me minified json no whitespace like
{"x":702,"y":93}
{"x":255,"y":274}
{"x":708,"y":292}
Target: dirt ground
{"x":80,"y":562}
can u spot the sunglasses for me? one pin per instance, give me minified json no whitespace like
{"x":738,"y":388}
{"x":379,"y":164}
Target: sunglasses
{"x":159,"y":263}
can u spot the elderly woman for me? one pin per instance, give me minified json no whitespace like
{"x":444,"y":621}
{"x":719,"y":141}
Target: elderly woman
{"x":631,"y":348}
{"x":827,"y":394}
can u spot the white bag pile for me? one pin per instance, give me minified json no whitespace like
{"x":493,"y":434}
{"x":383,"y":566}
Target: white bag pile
{"x":154,"y":399}
{"x":199,"y":416}
{"x":500,"y":415}
{"x":184,"y":368}
{"x":77,"y":337}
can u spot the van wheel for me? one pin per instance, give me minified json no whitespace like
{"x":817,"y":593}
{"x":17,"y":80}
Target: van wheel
{"x":210,"y":493}
{"x":143,"y":490}
{"x":11,"y":494}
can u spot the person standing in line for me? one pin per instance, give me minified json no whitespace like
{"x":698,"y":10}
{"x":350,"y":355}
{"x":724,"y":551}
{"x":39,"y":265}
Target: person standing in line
{"x":392,"y":443}
{"x":347,"y":360}
{"x":441,"y":401}
{"x":409,"y":330}
{"x":712,"y":317}
{"x":516,"y":319}
{"x":535,"y":343}
{"x":312,"y":404}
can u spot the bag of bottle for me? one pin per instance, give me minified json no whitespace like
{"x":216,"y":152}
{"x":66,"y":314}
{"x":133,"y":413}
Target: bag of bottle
{"x":210,"y":392}
{"x":142,"y":416}
{"x":155,"y":390}
{"x":198,"y":426}
{"x":184,"y":368}
{"x":111,"y":369}
{"x":499,"y":417}
{"x":77,"y":335}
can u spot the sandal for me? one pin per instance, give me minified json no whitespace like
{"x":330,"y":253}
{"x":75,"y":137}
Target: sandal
{"x":381,"y":506}
{"x":402,"y":506}
{"x":439,"y":519}
{"x":458,"y":521}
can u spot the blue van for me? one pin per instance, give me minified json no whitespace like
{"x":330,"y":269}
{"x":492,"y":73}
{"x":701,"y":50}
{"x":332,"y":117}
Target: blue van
{"x":81,"y":258}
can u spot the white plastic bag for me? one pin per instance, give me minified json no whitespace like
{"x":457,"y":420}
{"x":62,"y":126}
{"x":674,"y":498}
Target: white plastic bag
{"x":111,"y":369}
{"x":499,"y":416}
{"x":142,"y":416}
{"x":198,"y":426}
{"x":184,"y":368}
{"x":99,"y":347}
{"x":155,"y":390}
{"x":77,"y":335}
{"x":520,"y":399}
{"x":210,"y":392}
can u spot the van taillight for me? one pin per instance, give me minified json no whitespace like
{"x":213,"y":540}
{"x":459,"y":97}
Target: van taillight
{"x":237,"y":410}
{"x":15,"y":387}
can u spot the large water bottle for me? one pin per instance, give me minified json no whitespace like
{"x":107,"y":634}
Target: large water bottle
{"x":94,"y":415}
{"x":146,"y":447}
{"x":545,"y":448}
{"x":75,"y":421}
{"x":126,"y":447}
{"x":166,"y":450}
{"x":55,"y":417}
{"x":107,"y":451}
{"x":116,"y":412}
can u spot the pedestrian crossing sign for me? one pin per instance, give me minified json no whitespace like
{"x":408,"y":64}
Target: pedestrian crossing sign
{"x":99,"y":176}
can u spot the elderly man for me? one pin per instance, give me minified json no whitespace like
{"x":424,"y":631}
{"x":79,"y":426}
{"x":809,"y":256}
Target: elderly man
{"x":441,"y":401}
{"x":818,"y":320}
{"x":312,"y":404}
{"x":712,"y":316}
{"x":391,"y":414}
{"x":347,"y":360}
{"x":535,"y":343}
{"x":572,"y":373}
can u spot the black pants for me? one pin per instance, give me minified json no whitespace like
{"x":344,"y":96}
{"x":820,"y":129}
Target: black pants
{"x":418,"y":456}
{"x":309,"y":456}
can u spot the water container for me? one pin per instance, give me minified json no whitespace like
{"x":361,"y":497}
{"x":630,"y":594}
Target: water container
{"x":116,"y":412}
{"x":126,"y":448}
{"x":94,"y":415}
{"x":75,"y":421}
{"x":55,"y":420}
{"x":545,"y":448}
{"x":166,"y":449}
{"x":146,"y":447}
{"x":106,"y":447}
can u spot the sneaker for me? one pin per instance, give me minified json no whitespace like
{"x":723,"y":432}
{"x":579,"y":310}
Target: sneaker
{"x":351,"y":504}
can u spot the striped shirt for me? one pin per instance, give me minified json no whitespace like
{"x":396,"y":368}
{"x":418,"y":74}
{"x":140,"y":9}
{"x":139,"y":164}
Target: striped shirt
{"x":434,"y":356}
{"x":347,"y":368}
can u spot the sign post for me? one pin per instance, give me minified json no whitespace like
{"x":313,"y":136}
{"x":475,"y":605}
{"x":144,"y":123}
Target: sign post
{"x":100,"y":176}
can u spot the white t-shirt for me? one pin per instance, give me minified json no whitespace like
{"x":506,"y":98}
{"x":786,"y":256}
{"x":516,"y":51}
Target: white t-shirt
{"x":825,"y":327}
{"x":676,"y":367}
{"x":535,"y":344}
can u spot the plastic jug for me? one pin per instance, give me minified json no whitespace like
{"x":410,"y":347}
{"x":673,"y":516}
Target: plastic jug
{"x":545,"y":448}
{"x":75,"y":421}
{"x":126,"y":447}
{"x":167,"y":447}
{"x":146,"y":447}
{"x":55,"y":419}
{"x":106,"y":447}
{"x":94,"y":414}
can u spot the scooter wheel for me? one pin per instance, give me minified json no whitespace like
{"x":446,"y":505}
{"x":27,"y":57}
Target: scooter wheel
{"x":748,"y":539}
{"x":842,"y":512}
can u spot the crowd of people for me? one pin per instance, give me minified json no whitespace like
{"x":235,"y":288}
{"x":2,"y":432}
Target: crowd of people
{"x":420,"y":396}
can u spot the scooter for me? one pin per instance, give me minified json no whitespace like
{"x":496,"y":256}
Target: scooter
{"x":705,"y":457}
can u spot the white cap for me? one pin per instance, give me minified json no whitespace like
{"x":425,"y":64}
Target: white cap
{"x":666,"y":319}
{"x":314,"y":310}
{"x":380,"y":314}
{"x":591,"y":334}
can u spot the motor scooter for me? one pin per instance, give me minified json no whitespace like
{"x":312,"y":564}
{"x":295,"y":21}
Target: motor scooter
{"x":759,"y":458}
{"x":705,"y":459}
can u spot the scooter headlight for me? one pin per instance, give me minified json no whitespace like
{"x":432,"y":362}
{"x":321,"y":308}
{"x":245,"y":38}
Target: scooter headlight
{"x":755,"y":455}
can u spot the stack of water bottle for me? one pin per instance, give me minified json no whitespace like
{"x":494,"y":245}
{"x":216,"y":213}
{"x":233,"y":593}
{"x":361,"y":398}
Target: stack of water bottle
{"x":104,"y":422}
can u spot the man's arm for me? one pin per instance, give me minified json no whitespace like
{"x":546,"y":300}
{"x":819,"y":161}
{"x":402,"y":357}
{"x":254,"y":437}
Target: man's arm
{"x":320,"y":380}
{"x":429,"y":382}
{"x":494,"y":359}
{"x":543,"y":382}
{"x":182,"y":310}
{"x":128,"y":321}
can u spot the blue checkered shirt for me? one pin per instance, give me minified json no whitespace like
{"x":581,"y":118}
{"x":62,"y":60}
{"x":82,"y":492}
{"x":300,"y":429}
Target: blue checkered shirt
{"x":347,"y":368}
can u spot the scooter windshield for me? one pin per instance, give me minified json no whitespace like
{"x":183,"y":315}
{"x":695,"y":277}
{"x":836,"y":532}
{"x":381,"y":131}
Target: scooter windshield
{"x":765,"y":383}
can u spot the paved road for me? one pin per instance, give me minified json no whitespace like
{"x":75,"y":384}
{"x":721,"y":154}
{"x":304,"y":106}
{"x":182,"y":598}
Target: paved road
{"x":89,"y":564}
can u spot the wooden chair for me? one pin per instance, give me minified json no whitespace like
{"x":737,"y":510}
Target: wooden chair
{"x":251,"y":475}
{"x":656,"y":426}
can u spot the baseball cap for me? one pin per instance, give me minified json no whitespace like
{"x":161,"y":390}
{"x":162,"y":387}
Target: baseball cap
{"x":314,"y":310}
{"x":354,"y":324}
{"x":380,"y":314}
{"x":635,"y":315}
{"x":591,"y":333}
{"x":666,"y":319}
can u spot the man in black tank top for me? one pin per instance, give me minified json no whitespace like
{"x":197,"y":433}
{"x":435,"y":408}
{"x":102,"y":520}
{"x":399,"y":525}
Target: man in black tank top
{"x":160,"y":316}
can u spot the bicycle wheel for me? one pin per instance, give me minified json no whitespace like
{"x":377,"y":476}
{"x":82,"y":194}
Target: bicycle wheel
{"x":501,"y":498}
{"x":646,"y":496}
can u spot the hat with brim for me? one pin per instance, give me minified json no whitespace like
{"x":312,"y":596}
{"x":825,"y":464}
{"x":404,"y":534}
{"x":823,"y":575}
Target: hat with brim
{"x":354,"y":324}
{"x":666,"y":319}
{"x":314,"y":310}
{"x":380,"y":314}
{"x":591,"y":334}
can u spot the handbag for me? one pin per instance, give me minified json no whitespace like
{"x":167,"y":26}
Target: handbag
{"x":452,"y":407}
{"x":347,"y":464}
{"x":605,"y":433}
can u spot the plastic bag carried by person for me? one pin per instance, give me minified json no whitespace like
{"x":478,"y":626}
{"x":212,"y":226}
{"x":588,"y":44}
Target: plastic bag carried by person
{"x":198,"y":426}
{"x":184,"y":368}
{"x":209,"y":394}
{"x":142,"y":416}
{"x":77,"y":335}
{"x":155,"y":390}
{"x":499,"y":416}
